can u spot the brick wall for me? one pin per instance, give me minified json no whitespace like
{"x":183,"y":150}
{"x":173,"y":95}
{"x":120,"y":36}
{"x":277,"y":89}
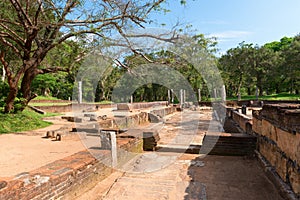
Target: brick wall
{"x":65,"y":178}
{"x":278,"y":130}
{"x":86,"y":106}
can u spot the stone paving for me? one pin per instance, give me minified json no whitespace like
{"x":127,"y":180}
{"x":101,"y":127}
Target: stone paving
{"x":177,"y":175}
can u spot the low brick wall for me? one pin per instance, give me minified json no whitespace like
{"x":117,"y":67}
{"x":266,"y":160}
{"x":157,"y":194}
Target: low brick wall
{"x":65,"y":178}
{"x":242,"y":120}
{"x":129,"y":121}
{"x":164,"y":111}
{"x":94,"y":106}
{"x":278,"y":130}
{"x":73,"y":107}
{"x":277,"y":127}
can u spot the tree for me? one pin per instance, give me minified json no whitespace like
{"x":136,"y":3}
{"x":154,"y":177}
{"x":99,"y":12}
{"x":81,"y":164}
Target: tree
{"x":234,"y":66}
{"x":248,"y":66}
{"x":30,"y":29}
{"x":292,"y":65}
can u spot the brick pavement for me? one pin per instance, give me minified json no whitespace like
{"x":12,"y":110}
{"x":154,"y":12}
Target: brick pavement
{"x":173,"y":175}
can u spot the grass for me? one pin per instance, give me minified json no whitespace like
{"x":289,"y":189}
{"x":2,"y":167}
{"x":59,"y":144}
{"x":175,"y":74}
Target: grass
{"x":47,"y":104}
{"x":45,"y":98}
{"x":23,"y":121}
{"x":282,"y":97}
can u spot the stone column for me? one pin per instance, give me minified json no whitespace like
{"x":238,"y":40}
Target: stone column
{"x":114,"y":158}
{"x":172,"y":96}
{"x":79,"y":91}
{"x":223,"y":93}
{"x":169,"y":97}
{"x":131,"y":99}
{"x":215,"y":93}
{"x":181,"y":97}
{"x":199,"y":94}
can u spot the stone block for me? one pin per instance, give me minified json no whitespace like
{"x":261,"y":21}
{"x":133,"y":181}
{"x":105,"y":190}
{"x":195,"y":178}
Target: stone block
{"x":257,"y":125}
{"x":150,"y":140}
{"x":267,"y":150}
{"x":288,"y":143}
{"x":294,"y":178}
{"x":154,"y":118}
{"x":124,"y":107}
{"x":268,"y":130}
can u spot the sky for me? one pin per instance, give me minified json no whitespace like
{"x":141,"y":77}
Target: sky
{"x":235,"y":21}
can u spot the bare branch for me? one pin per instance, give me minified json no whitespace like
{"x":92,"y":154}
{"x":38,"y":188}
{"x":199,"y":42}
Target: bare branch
{"x":52,"y":70}
{"x":10,"y":22}
{"x":119,"y":63}
{"x":21,"y":13}
{"x":160,"y":37}
{"x":15,"y":49}
{"x":15,"y":37}
{"x":153,"y":6}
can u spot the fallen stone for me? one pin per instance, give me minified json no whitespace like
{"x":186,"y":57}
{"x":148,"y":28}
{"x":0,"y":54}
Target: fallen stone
{"x":154,"y":118}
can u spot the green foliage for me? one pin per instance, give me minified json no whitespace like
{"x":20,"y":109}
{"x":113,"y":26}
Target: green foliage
{"x":55,"y":85}
{"x":278,"y":97}
{"x":4,"y":89}
{"x":272,"y":68}
{"x":21,"y":121}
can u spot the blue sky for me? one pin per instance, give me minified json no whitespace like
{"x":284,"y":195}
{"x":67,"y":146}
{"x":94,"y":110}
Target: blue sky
{"x":234,"y":21}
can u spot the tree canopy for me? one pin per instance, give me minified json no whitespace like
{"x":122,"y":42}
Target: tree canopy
{"x":271,"y":68}
{"x":30,"y":29}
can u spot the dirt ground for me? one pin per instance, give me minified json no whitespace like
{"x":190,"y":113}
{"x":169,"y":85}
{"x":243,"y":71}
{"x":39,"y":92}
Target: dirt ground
{"x":28,"y":151}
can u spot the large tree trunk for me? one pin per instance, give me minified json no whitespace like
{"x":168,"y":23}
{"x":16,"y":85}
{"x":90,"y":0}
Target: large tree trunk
{"x":28,"y":77}
{"x":11,"y":98}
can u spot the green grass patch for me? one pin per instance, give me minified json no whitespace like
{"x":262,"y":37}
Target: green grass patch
{"x":48,"y":104}
{"x":23,"y":121}
{"x":104,"y":102}
{"x":46,"y":98}
{"x":279,"y":97}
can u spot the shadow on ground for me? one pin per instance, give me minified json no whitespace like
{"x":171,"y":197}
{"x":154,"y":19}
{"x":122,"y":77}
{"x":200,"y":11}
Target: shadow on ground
{"x":228,"y":178}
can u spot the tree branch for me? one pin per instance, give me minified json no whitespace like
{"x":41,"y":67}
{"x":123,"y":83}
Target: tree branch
{"x":5,"y":42}
{"x":21,"y":14}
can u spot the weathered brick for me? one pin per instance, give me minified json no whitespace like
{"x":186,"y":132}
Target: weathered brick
{"x":294,"y":178}
{"x":257,"y":124}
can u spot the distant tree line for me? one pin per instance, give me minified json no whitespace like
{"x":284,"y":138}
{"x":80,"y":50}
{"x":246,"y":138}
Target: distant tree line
{"x":268,"y":69}
{"x":246,"y":69}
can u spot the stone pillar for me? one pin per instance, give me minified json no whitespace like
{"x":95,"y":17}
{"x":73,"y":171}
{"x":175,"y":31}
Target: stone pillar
{"x":215,"y":93}
{"x":113,"y":139}
{"x":181,"y":97}
{"x":169,"y":97}
{"x":79,"y":91}
{"x":172,"y":96}
{"x":131,"y":99}
{"x":199,"y":94}
{"x":109,"y":142}
{"x":184,"y":96}
{"x":223,"y":93}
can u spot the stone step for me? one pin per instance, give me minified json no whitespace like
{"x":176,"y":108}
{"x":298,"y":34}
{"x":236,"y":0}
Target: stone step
{"x":229,"y":144}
